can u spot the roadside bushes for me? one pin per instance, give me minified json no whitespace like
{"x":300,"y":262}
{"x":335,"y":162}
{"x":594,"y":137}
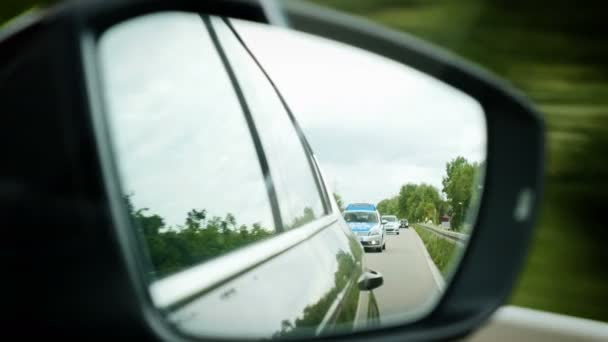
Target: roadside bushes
{"x":441,"y":250}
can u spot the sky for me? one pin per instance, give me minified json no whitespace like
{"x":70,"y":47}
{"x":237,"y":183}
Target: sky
{"x":182,"y":143}
{"x":374,"y":124}
{"x":178,"y":132}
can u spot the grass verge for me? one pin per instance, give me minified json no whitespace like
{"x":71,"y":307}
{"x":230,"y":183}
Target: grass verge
{"x":441,"y":250}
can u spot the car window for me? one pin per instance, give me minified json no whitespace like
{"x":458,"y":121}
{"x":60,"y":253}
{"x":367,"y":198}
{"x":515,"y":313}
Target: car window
{"x":361,"y":217}
{"x":290,"y":169}
{"x":189,"y":170}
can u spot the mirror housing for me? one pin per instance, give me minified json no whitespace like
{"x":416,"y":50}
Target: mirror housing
{"x":370,"y":280}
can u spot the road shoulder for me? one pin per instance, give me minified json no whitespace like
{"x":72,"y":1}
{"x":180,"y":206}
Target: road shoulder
{"x":437,"y":277}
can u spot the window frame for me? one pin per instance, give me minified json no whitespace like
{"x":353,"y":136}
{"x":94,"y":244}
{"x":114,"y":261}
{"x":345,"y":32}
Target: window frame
{"x":314,"y":170}
{"x":241,"y":110}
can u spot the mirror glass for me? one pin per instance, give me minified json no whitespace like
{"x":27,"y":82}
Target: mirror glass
{"x":282,"y":184}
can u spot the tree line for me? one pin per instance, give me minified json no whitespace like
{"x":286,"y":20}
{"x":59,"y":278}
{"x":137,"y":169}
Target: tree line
{"x":201,"y":237}
{"x":173,"y":248}
{"x":423,"y":202}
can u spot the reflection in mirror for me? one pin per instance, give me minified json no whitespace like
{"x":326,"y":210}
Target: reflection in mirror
{"x":207,"y":119}
{"x":390,"y":135}
{"x":185,"y":153}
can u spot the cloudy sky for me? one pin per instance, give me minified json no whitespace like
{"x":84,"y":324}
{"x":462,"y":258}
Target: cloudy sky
{"x":182,"y":142}
{"x":179,"y":135}
{"x":374,"y":124}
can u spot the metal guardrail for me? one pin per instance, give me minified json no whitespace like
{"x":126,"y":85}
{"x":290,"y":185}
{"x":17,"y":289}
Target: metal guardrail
{"x":457,"y":237}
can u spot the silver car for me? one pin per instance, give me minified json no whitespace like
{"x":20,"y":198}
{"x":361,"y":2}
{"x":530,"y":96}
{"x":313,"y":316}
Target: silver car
{"x":365,"y":224}
{"x":391,"y":224}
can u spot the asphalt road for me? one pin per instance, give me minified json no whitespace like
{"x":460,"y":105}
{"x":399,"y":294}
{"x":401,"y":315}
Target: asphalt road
{"x":410,"y":283}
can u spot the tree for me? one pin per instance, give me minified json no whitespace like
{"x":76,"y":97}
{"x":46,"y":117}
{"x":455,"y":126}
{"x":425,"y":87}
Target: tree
{"x":458,"y":185}
{"x":443,"y":208}
{"x":339,"y":201}
{"x":194,"y":218}
{"x":308,"y":215}
{"x":172,"y":249}
{"x":405,"y":204}
{"x":416,"y":202}
{"x":389,"y":206}
{"x":383,"y":206}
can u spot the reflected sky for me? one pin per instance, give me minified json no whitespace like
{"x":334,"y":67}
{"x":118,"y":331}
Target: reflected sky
{"x":180,"y":138}
{"x":182,"y":143}
{"x":367,"y":117}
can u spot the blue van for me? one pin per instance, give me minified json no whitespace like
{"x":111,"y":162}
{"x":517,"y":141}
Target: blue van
{"x":364,"y":221}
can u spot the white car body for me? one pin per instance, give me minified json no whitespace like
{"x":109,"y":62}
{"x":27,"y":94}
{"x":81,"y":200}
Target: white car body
{"x":392,"y":224}
{"x":371,"y":234}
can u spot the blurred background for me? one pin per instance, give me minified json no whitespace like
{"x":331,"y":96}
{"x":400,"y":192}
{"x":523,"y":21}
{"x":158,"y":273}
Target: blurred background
{"x":556,"y":52}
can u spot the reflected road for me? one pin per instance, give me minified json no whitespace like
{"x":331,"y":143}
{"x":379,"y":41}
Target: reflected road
{"x":410,"y":282}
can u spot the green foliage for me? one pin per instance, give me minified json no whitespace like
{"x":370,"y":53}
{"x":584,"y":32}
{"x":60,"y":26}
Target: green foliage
{"x":459,"y":184}
{"x":416,"y":202}
{"x":389,"y":206}
{"x":307,"y":216}
{"x":577,"y":270}
{"x":420,"y":202}
{"x":339,"y":201}
{"x":172,"y":249}
{"x":441,"y":250}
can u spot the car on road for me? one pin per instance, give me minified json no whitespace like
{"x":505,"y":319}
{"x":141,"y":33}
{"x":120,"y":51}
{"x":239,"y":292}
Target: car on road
{"x":404,"y":224}
{"x":391,"y":224}
{"x":364,"y":221}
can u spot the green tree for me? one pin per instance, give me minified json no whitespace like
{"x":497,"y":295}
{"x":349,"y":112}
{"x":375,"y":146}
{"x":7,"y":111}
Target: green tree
{"x":339,"y":201}
{"x":172,"y":249}
{"x":389,"y":206}
{"x":308,"y":215}
{"x":422,"y":202}
{"x":406,"y":209}
{"x":458,"y":185}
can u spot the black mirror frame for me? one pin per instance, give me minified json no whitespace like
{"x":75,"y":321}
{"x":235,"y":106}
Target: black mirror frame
{"x":511,"y":194}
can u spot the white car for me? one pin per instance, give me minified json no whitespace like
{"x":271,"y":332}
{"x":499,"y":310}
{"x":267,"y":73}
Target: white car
{"x":364,"y":221}
{"x":391,"y":224}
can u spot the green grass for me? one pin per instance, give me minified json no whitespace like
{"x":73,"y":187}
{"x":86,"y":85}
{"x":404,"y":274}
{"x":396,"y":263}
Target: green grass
{"x":441,"y":250}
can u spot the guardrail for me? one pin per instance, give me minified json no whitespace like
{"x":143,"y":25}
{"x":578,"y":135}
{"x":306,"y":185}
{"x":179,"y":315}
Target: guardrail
{"x":457,"y":237}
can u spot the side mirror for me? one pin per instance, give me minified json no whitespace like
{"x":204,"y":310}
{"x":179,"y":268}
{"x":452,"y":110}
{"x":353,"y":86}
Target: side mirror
{"x":370,"y":280}
{"x":172,"y":153}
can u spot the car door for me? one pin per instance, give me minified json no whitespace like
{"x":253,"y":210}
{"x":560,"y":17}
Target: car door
{"x":337,"y":258}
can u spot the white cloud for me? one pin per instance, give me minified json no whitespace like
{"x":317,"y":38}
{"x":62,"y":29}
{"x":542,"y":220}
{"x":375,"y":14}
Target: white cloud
{"x":374,"y":124}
